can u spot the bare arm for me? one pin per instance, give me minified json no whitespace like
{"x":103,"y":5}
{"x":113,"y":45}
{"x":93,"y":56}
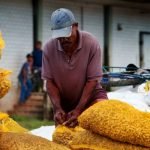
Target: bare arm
{"x":87,"y":92}
{"x":53,"y":92}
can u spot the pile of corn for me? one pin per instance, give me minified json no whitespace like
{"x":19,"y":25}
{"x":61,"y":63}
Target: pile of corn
{"x":5,"y":83}
{"x":25,"y":141}
{"x":118,"y":121}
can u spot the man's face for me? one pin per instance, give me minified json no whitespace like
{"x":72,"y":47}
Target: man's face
{"x":30,"y":59}
{"x":38,"y":45}
{"x":68,"y":43}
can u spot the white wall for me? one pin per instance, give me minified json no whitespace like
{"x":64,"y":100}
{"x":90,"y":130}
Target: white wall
{"x":124,"y":44}
{"x":16,"y":26}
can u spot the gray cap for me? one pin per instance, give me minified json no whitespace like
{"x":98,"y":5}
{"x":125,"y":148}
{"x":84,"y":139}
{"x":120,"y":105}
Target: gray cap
{"x":61,"y":23}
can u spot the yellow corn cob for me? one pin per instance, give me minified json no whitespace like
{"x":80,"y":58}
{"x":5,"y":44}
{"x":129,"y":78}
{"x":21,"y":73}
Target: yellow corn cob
{"x":25,"y":141}
{"x":119,"y":121}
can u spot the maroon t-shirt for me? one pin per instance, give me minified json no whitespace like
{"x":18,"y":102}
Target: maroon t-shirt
{"x":71,"y":75}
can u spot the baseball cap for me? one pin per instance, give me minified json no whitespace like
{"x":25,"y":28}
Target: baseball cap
{"x":61,"y":23}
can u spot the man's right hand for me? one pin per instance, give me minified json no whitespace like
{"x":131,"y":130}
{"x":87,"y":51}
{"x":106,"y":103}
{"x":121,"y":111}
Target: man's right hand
{"x":59,"y":117}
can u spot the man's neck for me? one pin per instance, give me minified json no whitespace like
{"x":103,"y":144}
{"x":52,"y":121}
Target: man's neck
{"x":70,"y":50}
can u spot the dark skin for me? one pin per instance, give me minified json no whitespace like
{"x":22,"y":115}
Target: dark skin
{"x":69,"y":119}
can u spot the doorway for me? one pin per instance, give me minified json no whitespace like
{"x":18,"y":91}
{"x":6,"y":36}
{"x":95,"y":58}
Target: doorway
{"x":144,"y":49}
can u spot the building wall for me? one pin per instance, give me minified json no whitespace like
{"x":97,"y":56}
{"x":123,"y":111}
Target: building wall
{"x":124,"y":44}
{"x":17,"y":28}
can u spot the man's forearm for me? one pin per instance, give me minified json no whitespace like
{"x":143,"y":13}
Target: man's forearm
{"x":88,"y":89}
{"x":54,"y":95}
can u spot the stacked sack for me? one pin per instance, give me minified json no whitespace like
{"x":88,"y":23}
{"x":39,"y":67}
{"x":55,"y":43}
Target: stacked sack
{"x":110,"y":125}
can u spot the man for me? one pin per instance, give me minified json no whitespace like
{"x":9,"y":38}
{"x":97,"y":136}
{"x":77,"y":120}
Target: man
{"x":72,"y":68}
{"x":37,"y":64}
{"x":37,"y":54}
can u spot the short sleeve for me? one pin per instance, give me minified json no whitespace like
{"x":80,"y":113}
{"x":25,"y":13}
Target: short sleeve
{"x":94,"y":69}
{"x":46,"y":71}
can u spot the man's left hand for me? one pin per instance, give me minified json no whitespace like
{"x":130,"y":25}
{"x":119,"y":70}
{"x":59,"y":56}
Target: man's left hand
{"x":72,"y":118}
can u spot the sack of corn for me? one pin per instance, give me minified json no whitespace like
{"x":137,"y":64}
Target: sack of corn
{"x":25,"y":141}
{"x":63,"y":135}
{"x":118,"y":121}
{"x":88,"y":139}
{"x":5,"y":83}
{"x":9,"y":125}
{"x":86,"y":147}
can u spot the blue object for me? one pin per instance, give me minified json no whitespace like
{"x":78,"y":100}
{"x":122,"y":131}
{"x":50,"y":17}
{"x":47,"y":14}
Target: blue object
{"x":37,"y":58}
{"x":26,"y":88}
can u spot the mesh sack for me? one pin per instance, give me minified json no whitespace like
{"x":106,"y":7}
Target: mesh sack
{"x":86,"y":147}
{"x":25,"y":141}
{"x":5,"y":83}
{"x":89,"y":139}
{"x":63,"y":135}
{"x":9,"y":125}
{"x":119,"y":121}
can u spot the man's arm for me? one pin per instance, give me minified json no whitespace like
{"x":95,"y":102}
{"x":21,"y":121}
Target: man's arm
{"x":53,"y":92}
{"x":87,"y":92}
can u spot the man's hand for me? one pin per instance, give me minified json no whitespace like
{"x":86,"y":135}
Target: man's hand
{"x":59,"y":117}
{"x":72,"y":118}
